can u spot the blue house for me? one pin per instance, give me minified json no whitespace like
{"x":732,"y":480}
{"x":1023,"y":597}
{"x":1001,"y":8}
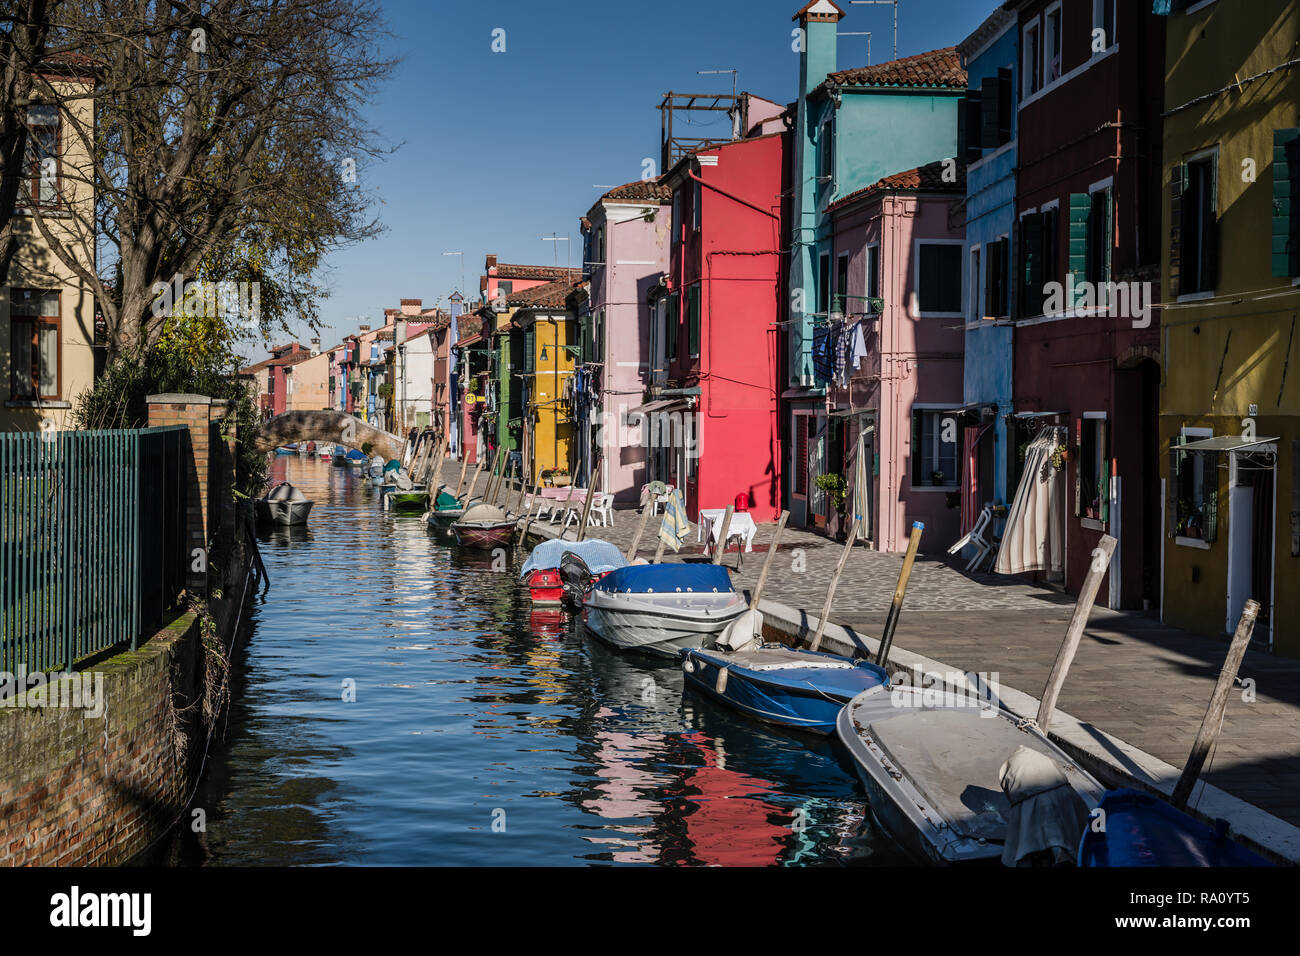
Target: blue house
{"x":852,"y":128}
{"x":987,"y":130}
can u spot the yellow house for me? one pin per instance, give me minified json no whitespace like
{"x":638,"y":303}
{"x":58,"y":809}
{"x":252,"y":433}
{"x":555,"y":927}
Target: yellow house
{"x":550,"y":348}
{"x":47,"y":315}
{"x":1230,"y":401}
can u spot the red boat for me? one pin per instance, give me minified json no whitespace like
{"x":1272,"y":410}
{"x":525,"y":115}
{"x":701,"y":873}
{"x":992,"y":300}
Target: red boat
{"x":546,"y":586}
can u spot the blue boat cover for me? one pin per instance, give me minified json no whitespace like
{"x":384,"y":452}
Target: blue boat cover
{"x":600,"y":556}
{"x":667,"y":578}
{"x":355,"y":455}
{"x":1142,"y":830}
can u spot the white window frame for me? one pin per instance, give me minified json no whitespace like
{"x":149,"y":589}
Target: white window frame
{"x":916,"y":279}
{"x":1098,"y":8}
{"x":975,"y":292}
{"x":1060,"y":27}
{"x":1211,"y":153}
{"x":835,"y":290}
{"x":1195,"y":432}
{"x":1028,"y":73}
{"x":939,"y":409}
{"x":866,"y":272}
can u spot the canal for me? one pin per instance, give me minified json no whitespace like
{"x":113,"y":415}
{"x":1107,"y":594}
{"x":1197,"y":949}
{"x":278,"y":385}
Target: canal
{"x":479,"y":732}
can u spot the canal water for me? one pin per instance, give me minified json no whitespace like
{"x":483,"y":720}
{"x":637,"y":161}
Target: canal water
{"x":481,"y":732}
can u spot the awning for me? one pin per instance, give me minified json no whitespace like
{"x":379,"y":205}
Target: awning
{"x":1037,"y":414}
{"x":1224,"y":443}
{"x":659,"y":405}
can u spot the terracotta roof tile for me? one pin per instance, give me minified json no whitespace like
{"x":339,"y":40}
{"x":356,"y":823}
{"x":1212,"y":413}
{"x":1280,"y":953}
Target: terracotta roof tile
{"x":551,"y":273}
{"x":553,"y":295}
{"x":938,"y":68}
{"x":927,"y":178}
{"x":651,"y":190}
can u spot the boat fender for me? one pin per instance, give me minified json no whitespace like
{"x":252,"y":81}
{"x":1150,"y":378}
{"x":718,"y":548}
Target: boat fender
{"x":688,"y":666}
{"x":721,"y":685}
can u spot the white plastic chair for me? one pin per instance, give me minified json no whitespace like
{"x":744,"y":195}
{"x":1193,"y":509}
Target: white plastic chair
{"x":976,"y":537}
{"x":602,"y":509}
{"x":573,"y":506}
{"x":660,"y":501}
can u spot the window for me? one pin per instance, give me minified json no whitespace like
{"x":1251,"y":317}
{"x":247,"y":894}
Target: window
{"x":1286,"y":203}
{"x":826,"y":169}
{"x":1092,"y":472}
{"x":1103,"y":18}
{"x":693,"y":319}
{"x":872,"y":284}
{"x":673,"y":308}
{"x":34,"y":342}
{"x":1194,"y":208}
{"x":505,"y":288}
{"x":984,"y":117}
{"x":1194,"y":488}
{"x":1052,"y":64}
{"x":42,"y":175}
{"x":996,"y":303}
{"x":600,"y":245}
{"x":823,"y":285}
{"x":934,"y":449}
{"x":842,"y":304}
{"x":938,"y":278}
{"x":1038,"y":259}
{"x":1031,"y":60}
{"x":1091,"y":238}
{"x":695,"y":204}
{"x":975,"y":301}
{"x":677,"y":215}
{"x":801,"y":426}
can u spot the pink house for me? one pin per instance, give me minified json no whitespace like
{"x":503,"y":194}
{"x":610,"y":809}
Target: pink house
{"x":894,"y":350}
{"x":626,"y":236}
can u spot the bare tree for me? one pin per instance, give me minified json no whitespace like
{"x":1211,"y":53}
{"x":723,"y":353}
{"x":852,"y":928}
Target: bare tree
{"x":227,"y":142}
{"x":23,"y":32}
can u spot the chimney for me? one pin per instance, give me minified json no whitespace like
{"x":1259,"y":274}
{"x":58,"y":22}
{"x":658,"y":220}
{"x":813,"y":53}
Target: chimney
{"x":364,"y":328}
{"x":411,"y":306}
{"x":818,"y":21}
{"x":490,"y":263}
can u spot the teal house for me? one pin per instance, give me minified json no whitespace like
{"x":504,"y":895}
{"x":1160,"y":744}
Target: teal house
{"x":852,"y":128}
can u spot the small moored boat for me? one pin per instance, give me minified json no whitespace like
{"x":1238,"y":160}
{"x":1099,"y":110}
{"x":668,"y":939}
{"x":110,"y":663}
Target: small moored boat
{"x":484,"y":526}
{"x":662,"y":608}
{"x":932,"y":764}
{"x":1142,"y":830}
{"x":543,"y":571}
{"x":283,"y":505}
{"x":792,"y":687}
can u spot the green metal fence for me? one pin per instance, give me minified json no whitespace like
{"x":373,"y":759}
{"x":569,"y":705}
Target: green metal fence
{"x":92,"y":540}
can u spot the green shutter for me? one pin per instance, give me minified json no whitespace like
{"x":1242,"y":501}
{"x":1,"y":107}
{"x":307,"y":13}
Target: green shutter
{"x":1103,"y":480}
{"x":1177,"y":189}
{"x":694,"y":319}
{"x":673,"y":307}
{"x":1081,"y":226}
{"x":1286,"y":203}
{"x":530,"y":344}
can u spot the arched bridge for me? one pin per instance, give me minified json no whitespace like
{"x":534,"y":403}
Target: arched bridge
{"x":339,"y":428}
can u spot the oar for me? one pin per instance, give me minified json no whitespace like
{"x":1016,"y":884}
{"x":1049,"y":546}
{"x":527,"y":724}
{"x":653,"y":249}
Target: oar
{"x":591,"y":493}
{"x":722,"y":535}
{"x":830,"y":588}
{"x":1213,"y":722}
{"x":896,"y":606}
{"x":640,"y":529}
{"x":1082,"y":608}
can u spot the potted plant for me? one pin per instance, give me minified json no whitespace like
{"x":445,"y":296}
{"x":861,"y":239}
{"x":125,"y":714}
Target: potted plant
{"x":837,"y":489}
{"x":937,"y":478}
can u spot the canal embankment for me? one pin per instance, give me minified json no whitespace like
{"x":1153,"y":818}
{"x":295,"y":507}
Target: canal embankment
{"x":1131,"y":705}
{"x":117,"y":643}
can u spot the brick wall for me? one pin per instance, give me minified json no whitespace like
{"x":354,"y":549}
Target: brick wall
{"x":77,"y":790}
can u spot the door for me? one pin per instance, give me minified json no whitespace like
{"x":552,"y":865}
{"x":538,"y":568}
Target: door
{"x":1250,"y":540}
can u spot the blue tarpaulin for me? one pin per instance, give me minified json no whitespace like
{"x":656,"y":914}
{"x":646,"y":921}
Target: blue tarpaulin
{"x":667,"y":578}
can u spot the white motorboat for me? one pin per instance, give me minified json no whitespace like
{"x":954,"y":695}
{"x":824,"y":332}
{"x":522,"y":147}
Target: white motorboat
{"x":662,"y":608}
{"x":283,"y":505}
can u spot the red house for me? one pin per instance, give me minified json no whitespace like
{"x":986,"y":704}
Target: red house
{"x":711,"y":422}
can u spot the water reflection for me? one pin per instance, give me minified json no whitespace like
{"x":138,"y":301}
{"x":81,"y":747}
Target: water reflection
{"x":483,"y":731}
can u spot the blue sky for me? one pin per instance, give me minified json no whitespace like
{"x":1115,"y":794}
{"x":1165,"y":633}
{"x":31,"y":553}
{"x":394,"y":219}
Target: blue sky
{"x":496,"y":150}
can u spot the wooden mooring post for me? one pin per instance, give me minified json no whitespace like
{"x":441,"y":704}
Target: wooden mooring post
{"x":767,"y":561}
{"x":591,"y":494}
{"x":834,"y":583}
{"x":896,"y":606}
{"x":722,"y":535}
{"x":640,"y":528}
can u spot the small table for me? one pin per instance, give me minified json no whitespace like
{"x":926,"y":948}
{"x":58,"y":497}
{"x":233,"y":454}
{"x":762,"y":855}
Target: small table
{"x":742,"y":525}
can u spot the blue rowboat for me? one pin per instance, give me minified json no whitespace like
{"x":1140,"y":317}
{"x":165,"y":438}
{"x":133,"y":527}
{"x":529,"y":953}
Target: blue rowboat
{"x":662,"y":608}
{"x":1142,"y":830}
{"x":792,"y":687}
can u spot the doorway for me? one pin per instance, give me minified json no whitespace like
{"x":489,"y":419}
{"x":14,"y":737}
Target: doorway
{"x":1251,"y":513}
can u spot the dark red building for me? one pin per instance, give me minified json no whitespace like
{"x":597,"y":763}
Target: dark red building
{"x":1087,"y":246}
